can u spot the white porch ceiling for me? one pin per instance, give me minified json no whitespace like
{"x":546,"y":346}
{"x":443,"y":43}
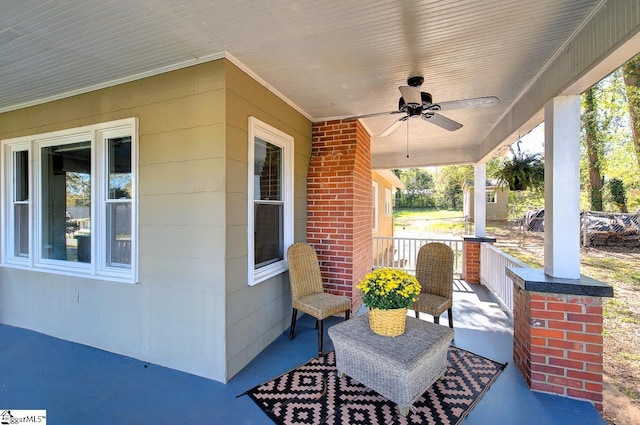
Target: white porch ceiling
{"x":329,"y":59}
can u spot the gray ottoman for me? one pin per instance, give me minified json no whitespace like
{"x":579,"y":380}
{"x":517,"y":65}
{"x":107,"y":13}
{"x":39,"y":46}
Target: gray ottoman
{"x":400,"y":368}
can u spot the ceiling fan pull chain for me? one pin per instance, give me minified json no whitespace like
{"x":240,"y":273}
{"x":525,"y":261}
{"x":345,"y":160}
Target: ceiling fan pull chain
{"x":408,"y":139}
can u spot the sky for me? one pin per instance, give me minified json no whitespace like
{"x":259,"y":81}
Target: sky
{"x":533,"y":141}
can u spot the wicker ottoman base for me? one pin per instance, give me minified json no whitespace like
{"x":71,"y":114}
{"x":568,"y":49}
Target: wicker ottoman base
{"x":400,"y":368}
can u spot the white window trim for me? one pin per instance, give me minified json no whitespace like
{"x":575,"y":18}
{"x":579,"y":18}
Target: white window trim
{"x":97,"y":269}
{"x":494,"y":195}
{"x":276,"y":137}
{"x":388,"y":201}
{"x":374,"y":186}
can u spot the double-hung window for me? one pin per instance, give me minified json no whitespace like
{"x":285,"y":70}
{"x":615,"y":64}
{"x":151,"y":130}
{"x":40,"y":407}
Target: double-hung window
{"x":270,"y":193}
{"x":69,"y":201}
{"x":18,"y":156}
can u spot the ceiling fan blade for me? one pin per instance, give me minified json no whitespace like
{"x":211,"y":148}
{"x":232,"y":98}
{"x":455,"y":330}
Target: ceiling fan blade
{"x":393,"y":127}
{"x":378,"y":114}
{"x":411,"y":95}
{"x":477,"y":102}
{"x":441,"y":121}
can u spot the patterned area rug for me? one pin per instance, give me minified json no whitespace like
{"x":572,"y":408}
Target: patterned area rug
{"x":313,"y":394}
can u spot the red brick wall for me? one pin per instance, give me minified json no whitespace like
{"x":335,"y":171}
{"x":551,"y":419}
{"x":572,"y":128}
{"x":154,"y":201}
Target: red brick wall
{"x":339,"y":220}
{"x":558,"y":344}
{"x":471,"y":261}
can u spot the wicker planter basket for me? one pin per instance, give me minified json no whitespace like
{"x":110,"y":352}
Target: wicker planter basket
{"x":388,"y":322}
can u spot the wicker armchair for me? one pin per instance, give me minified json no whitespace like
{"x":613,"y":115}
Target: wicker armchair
{"x":307,"y":294}
{"x":434,"y":271}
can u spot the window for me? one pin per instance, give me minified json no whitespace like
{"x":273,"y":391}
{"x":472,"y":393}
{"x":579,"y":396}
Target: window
{"x":270,"y":200}
{"x":69,"y":201}
{"x":20,"y":199}
{"x":374,"y":200}
{"x":491,"y":196}
{"x":388,"y":202}
{"x":118,"y":202}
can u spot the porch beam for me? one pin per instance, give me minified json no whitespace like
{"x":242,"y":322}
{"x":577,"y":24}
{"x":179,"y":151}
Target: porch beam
{"x":454,"y":156}
{"x":606,"y":41}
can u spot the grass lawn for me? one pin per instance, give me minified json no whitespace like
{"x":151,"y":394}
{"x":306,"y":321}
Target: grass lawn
{"x":418,"y":214}
{"x":430,"y":221}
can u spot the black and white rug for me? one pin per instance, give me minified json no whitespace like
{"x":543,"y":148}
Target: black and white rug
{"x":313,"y":394}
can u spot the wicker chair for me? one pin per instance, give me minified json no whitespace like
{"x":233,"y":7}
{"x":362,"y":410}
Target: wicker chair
{"x":434,"y":271}
{"x":307,"y":294}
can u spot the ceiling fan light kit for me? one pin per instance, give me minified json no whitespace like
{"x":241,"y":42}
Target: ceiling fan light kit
{"x":413,"y":103}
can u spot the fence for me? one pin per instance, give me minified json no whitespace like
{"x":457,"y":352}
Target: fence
{"x":403,"y":252}
{"x":492,"y":274}
{"x":597,"y":229}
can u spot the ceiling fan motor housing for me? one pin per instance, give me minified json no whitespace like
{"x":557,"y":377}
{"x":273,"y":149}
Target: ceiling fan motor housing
{"x":415,"y":81}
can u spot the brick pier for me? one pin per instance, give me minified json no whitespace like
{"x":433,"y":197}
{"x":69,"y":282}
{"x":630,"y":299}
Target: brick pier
{"x":339,"y":219}
{"x":557,"y":341}
{"x":471,"y":258}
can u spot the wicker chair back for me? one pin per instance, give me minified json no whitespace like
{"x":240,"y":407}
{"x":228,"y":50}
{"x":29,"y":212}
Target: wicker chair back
{"x":304,"y":270}
{"x":434,"y":269}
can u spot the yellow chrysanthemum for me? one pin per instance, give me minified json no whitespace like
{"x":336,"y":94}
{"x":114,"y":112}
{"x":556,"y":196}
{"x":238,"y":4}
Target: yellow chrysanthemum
{"x":389,"y":288}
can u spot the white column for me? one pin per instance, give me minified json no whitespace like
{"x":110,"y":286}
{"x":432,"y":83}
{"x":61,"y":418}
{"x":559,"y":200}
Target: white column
{"x":562,"y":187}
{"x":480,"y":199}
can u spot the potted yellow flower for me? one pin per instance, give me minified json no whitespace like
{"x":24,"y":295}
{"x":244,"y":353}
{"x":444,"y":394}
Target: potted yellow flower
{"x":388,"y":293}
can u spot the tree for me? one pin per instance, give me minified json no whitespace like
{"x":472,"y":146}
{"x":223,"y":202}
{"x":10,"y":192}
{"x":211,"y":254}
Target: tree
{"x":593,"y":146}
{"x":631,"y":75}
{"x":78,"y":189}
{"x":608,"y":144}
{"x":449,"y":183}
{"x":417,"y":180}
{"x":618,"y":194}
{"x":450,"y":180}
{"x":418,"y":188}
{"x":620,"y":148}
{"x":619,"y":166}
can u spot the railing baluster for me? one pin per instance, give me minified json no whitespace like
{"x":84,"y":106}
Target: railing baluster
{"x":493,"y":275}
{"x":405,"y":250}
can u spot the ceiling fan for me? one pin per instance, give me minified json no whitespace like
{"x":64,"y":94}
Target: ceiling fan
{"x":416,"y":103}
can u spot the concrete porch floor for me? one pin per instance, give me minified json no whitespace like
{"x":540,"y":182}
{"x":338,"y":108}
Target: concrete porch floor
{"x":77,"y":384}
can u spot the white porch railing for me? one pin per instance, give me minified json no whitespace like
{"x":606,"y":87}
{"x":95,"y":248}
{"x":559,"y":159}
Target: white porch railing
{"x":403,"y":252}
{"x":493,"y":263}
